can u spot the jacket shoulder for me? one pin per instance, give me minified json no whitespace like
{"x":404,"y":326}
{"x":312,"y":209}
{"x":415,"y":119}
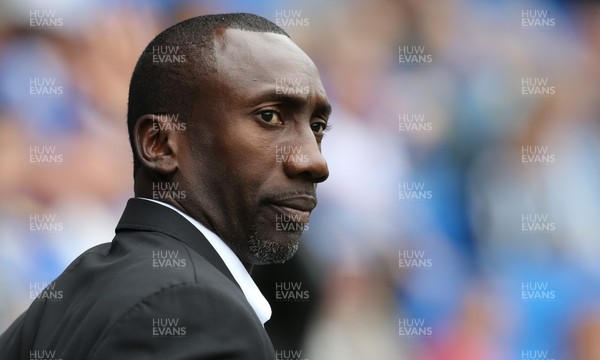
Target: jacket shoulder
{"x":109,"y":281}
{"x":200,"y":321}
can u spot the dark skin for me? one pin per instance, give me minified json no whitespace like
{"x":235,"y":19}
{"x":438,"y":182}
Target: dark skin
{"x":226,"y":159}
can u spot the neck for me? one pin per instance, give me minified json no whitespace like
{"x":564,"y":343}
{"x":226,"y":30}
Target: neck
{"x":249,"y":267}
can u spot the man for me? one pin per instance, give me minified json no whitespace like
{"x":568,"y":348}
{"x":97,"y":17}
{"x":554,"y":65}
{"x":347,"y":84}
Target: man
{"x":226,"y":116}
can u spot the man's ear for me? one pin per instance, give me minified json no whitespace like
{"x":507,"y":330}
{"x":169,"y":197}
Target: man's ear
{"x":155,"y":144}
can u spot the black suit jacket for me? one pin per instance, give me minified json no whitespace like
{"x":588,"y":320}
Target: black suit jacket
{"x":158,"y":291}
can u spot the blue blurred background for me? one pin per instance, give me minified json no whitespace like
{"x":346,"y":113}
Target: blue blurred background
{"x":460,"y":219}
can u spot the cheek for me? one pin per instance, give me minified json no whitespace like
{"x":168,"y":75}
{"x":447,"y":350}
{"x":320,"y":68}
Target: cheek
{"x":248,"y":154}
{"x":247,"y":164}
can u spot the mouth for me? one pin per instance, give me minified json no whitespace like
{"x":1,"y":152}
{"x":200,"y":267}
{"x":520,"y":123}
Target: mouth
{"x":295,"y":209}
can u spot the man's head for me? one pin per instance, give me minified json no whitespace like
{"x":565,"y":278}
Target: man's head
{"x":226,"y":116}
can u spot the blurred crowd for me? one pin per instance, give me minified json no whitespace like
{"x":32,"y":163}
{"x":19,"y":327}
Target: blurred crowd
{"x":502,"y":221}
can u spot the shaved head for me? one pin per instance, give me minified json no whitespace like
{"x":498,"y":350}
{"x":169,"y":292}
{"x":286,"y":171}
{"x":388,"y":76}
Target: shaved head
{"x":172,"y":68}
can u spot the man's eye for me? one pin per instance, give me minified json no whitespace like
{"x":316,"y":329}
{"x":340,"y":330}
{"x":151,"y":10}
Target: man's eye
{"x":318,"y":127}
{"x":270,"y":117}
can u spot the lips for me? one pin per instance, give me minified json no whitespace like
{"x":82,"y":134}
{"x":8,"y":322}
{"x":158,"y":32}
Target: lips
{"x":298,"y":208}
{"x":299,"y":203}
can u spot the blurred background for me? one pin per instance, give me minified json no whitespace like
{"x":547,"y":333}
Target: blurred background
{"x":461,"y":216}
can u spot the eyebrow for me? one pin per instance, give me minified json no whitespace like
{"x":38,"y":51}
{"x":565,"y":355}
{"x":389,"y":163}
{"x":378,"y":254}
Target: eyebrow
{"x":325,"y":109}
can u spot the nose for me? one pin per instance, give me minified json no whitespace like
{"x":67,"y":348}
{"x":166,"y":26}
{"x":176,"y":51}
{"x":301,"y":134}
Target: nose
{"x":304,"y":159}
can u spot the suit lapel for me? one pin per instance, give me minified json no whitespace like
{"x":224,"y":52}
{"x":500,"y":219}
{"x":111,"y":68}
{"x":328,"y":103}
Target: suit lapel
{"x":148,"y":216}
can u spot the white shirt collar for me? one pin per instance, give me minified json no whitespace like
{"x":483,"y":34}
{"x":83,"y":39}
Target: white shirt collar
{"x":259,"y":304}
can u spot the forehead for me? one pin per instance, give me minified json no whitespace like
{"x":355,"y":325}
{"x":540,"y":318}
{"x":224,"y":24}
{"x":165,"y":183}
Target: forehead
{"x":248,"y":59}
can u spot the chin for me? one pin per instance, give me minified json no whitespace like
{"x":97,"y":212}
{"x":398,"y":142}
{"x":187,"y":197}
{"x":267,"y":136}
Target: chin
{"x":274,"y":248}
